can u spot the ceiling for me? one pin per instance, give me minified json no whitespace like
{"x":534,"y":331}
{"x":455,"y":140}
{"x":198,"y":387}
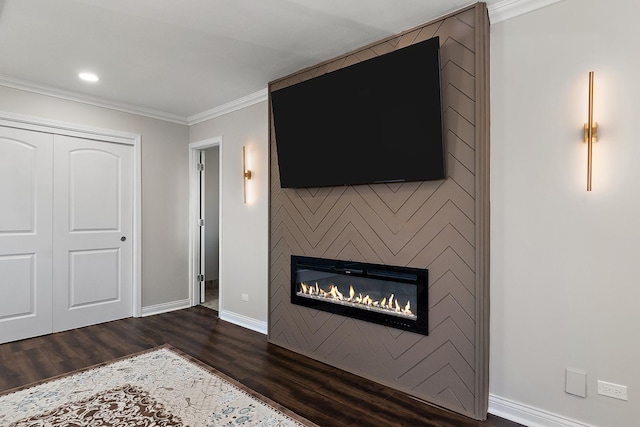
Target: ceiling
{"x":177,"y":59}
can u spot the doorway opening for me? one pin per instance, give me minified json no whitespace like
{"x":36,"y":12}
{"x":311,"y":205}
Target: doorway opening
{"x":205,"y":223}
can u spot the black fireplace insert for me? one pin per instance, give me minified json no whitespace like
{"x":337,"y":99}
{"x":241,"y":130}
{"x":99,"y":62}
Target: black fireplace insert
{"x":393,"y":296}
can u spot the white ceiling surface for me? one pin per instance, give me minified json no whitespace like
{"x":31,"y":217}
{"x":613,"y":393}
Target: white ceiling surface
{"x":177,"y":59}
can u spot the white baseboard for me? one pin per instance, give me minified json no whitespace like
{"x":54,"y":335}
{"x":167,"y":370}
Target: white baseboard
{"x":244,"y":321}
{"x":229,"y":316}
{"x":165,"y":307}
{"x":528,"y":415}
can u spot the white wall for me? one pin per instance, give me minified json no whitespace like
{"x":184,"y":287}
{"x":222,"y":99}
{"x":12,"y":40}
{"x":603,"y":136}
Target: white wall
{"x":244,"y":232}
{"x":164,"y":185}
{"x":165,"y":199}
{"x":564,"y":263}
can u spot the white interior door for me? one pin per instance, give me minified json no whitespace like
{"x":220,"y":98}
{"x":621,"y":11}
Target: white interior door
{"x":25,"y":233}
{"x":92,"y":232}
{"x":202,"y":224}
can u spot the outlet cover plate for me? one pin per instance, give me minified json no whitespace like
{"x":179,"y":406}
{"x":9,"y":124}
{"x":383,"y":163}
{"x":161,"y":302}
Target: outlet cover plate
{"x":576,"y":382}
{"x":616,"y":391}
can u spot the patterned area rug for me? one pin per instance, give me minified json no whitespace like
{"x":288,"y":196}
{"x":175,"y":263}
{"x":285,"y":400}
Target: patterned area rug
{"x":161,"y":387}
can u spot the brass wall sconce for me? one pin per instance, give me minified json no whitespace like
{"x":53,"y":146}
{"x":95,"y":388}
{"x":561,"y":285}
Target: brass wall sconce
{"x":246,"y":173}
{"x":590,"y":133}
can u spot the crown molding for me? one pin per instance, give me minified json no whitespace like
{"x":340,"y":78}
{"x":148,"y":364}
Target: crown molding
{"x":95,"y":101}
{"x":229,"y":107}
{"x":238,"y":104}
{"x":507,"y":9}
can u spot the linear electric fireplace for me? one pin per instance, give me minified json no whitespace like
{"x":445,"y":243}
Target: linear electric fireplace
{"x":388,"y":295}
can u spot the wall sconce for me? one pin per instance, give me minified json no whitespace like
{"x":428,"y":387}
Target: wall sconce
{"x":246,"y":173}
{"x":590,"y":133}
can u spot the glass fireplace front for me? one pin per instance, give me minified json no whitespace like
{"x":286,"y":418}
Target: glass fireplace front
{"x":393,"y":296}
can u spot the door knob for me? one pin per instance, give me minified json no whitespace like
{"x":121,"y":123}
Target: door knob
{"x":123,"y":238}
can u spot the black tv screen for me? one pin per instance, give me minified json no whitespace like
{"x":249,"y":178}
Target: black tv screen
{"x":376,"y":121}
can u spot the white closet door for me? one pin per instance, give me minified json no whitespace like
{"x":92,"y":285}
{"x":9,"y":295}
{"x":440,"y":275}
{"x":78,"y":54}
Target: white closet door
{"x":25,"y":233}
{"x":92,"y":238}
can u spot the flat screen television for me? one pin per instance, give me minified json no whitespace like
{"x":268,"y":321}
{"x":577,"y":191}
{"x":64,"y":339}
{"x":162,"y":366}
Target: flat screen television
{"x":377,"y":121}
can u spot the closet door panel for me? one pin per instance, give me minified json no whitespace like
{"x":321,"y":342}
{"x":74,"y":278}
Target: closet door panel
{"x":26,"y":170}
{"x":93,"y":223}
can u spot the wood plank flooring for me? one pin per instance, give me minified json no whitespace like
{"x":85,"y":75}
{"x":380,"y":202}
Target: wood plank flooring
{"x":325,"y":395}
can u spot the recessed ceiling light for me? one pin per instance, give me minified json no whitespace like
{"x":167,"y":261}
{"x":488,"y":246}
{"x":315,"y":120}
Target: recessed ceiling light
{"x":89,"y":77}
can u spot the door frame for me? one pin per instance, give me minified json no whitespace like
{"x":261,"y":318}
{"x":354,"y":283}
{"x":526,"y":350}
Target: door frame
{"x":194,"y":209}
{"x":107,"y":135}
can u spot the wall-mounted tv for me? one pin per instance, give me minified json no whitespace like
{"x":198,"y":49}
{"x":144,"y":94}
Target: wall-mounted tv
{"x":377,"y":121}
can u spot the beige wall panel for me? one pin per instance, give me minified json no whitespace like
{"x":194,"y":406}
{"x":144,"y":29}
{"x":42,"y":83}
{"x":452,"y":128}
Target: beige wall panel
{"x":420,"y":224}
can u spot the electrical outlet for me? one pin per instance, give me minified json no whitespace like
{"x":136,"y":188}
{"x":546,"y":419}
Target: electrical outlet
{"x":616,"y":391}
{"x":245,"y":297}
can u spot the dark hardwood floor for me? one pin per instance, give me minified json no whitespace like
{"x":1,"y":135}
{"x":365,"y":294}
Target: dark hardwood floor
{"x":318,"y":392}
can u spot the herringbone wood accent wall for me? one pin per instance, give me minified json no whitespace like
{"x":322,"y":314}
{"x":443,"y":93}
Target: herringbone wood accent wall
{"x":440,"y":225}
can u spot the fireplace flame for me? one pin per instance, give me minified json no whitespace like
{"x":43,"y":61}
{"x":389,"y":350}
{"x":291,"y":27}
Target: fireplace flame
{"x":390,"y":304}
{"x":335,"y":293}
